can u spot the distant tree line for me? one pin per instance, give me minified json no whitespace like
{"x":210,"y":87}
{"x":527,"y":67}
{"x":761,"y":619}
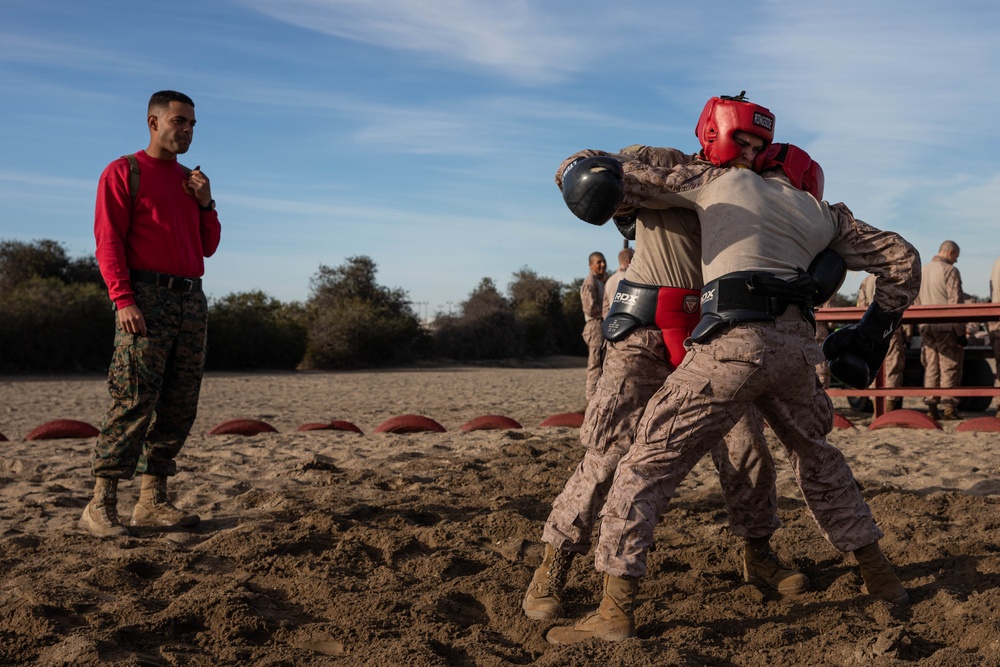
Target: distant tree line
{"x":55,"y":316}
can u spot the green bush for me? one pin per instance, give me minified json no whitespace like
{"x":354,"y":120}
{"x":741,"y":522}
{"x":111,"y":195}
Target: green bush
{"x":569,"y":333}
{"x":486,"y":329}
{"x":251,"y":330}
{"x":354,"y":322}
{"x":494,"y":334}
{"x":537,"y":304}
{"x":47,"y":325}
{"x":20,"y":262}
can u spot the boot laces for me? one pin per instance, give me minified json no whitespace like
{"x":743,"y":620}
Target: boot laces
{"x":558,"y":571}
{"x":161,"y":499}
{"x":766,"y":560}
{"x":107,"y":508}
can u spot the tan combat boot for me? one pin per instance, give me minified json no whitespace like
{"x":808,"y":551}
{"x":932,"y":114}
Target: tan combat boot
{"x":949,"y":413}
{"x":154,"y":509}
{"x":613,"y":621}
{"x":543,"y":601}
{"x":879,"y":578}
{"x":762,"y":565}
{"x":100,"y":516}
{"x":933,"y":413}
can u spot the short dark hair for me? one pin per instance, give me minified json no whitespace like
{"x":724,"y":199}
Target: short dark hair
{"x":165,"y":97}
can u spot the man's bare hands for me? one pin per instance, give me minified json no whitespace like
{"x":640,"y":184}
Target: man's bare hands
{"x":131,"y":319}
{"x":199,"y":187}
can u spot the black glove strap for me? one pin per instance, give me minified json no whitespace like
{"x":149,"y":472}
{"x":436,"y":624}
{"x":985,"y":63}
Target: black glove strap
{"x":877,"y":326}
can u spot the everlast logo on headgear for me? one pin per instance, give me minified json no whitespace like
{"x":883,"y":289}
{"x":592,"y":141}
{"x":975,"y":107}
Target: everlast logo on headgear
{"x":722,"y":118}
{"x":761,"y":120}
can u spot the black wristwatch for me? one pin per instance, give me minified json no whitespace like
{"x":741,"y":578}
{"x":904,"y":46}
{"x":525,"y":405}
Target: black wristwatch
{"x":210,"y":207}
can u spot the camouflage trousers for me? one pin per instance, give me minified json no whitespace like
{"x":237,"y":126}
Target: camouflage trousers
{"x":895,"y":360}
{"x":154,"y":382}
{"x":634,"y":369}
{"x":942,"y":357}
{"x":770,"y":366}
{"x":594,"y":337}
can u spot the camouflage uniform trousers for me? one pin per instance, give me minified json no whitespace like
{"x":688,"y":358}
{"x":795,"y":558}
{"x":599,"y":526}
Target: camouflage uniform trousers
{"x":154,"y":382}
{"x":767,"y":365}
{"x":895,"y":360}
{"x":634,"y":369}
{"x":942,"y":357}
{"x":593,"y":336}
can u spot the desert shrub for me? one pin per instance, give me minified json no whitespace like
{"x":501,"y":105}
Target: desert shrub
{"x":485,"y":299}
{"x":354,"y":322}
{"x":251,"y":330}
{"x":840,"y":301}
{"x":537,"y":304}
{"x":486,"y":328}
{"x":20,"y":262}
{"x":47,"y":325}
{"x":570,"y":328}
{"x":493,"y":335}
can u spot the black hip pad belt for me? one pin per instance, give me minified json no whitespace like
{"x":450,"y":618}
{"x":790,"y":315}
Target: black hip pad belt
{"x":634,"y":305}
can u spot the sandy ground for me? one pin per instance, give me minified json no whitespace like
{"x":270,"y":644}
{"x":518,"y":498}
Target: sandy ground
{"x":334,"y":548}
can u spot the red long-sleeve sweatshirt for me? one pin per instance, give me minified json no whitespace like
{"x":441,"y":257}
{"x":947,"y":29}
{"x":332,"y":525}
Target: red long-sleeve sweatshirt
{"x":166,"y":231}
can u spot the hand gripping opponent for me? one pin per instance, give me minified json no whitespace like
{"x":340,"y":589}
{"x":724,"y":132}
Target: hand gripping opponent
{"x":829,"y":270}
{"x":856,"y":352}
{"x":592,"y":188}
{"x":626,"y":225}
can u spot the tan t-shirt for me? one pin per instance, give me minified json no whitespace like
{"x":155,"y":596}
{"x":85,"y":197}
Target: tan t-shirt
{"x":610,"y":287}
{"x":941,"y":283}
{"x":753,"y":222}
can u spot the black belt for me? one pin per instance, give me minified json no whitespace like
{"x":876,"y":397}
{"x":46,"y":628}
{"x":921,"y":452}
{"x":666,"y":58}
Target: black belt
{"x":177,"y":283}
{"x":748,"y":296}
{"x":752,"y":296}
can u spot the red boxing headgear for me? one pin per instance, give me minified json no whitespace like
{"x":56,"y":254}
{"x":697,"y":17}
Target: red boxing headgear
{"x":723,"y":116}
{"x":804,"y":172}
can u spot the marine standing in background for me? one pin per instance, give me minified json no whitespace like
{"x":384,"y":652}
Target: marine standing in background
{"x":942,"y":345}
{"x":155,"y":222}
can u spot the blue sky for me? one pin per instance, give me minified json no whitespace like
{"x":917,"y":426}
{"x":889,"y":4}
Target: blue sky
{"x":425,"y":133}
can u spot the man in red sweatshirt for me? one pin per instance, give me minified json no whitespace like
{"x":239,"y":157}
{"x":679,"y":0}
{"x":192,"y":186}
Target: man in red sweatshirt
{"x":153,"y":234}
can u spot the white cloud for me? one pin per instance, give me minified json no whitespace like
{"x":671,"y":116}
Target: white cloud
{"x":516,"y":39}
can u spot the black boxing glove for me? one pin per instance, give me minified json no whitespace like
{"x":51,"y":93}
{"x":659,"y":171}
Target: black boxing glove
{"x":828,"y":269}
{"x":592,"y":188}
{"x":856,"y":352}
{"x":626,"y":225}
